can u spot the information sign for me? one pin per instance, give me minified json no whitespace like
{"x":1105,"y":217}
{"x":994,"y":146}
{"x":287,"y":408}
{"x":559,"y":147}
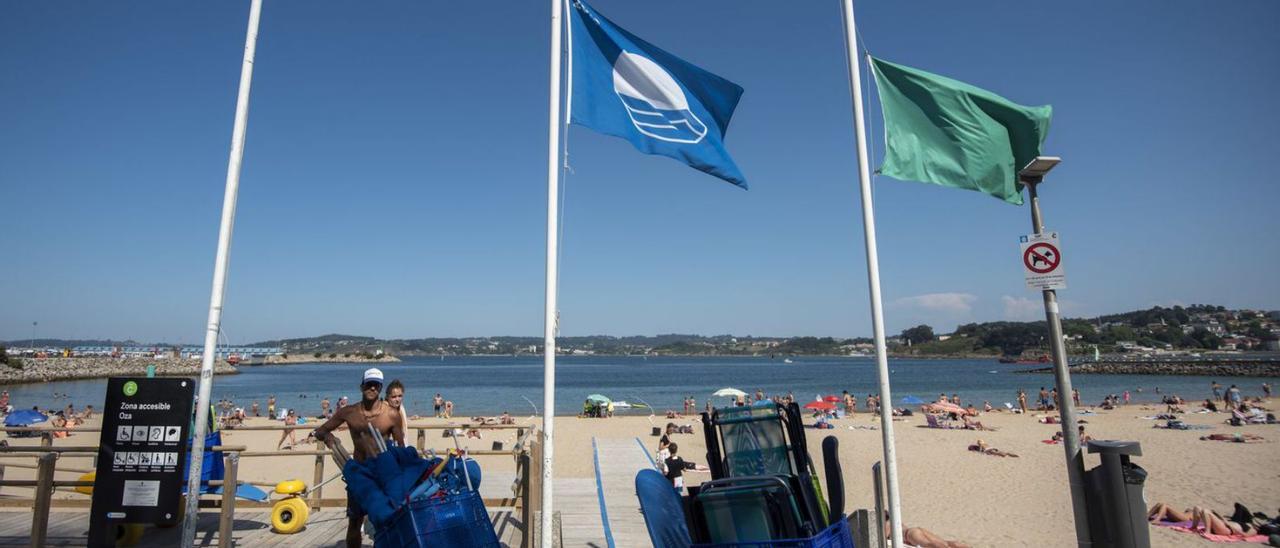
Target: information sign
{"x":141,"y":453}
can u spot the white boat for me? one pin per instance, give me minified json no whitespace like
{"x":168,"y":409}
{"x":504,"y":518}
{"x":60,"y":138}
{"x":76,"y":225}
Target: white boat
{"x":787,"y":360}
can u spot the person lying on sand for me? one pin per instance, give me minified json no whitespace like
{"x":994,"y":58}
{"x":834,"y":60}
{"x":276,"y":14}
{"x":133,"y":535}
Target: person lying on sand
{"x":922,"y":538}
{"x":1238,"y":437}
{"x":1083,"y":437}
{"x":981,"y":447}
{"x":673,"y":428}
{"x":972,"y":424}
{"x":1201,"y":519}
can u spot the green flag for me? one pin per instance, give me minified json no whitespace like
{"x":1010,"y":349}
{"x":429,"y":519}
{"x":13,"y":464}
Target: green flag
{"x":949,"y":133}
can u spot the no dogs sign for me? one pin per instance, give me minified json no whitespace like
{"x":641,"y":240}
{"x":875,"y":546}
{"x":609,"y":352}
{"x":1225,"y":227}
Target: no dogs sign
{"x":1042,"y":261}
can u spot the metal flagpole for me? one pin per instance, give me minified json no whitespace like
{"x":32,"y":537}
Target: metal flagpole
{"x":873,"y":278}
{"x":549,"y":326}
{"x":219,"y":278}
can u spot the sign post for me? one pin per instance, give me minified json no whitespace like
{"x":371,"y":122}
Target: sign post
{"x":1042,"y":262}
{"x":142,"y":450}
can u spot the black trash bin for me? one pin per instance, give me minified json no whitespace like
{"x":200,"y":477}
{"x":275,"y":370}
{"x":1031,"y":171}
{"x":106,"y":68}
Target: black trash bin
{"x":1113,"y":490}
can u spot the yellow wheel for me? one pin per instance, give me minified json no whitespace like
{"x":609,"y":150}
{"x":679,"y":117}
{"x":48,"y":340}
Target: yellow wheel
{"x":128,"y":534}
{"x":291,"y":487}
{"x":87,"y":489}
{"x":289,"y":515}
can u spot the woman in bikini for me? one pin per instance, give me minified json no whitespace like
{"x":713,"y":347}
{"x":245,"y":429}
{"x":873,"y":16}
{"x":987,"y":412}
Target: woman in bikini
{"x":1201,"y":519}
{"x":981,"y":447}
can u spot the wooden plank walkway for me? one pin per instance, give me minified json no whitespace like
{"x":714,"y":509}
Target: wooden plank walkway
{"x":579,"y":511}
{"x":618,"y":461}
{"x":251,"y":528}
{"x":584,"y":504}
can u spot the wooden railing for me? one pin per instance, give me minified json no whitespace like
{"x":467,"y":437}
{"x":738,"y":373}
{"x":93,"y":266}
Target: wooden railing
{"x":527,"y":451}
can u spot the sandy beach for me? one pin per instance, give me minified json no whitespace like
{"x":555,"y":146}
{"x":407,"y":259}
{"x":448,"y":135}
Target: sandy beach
{"x":980,"y":499}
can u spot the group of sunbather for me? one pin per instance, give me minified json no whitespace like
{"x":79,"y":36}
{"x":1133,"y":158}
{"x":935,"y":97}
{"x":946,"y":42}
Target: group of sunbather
{"x":1241,"y":522}
{"x":950,"y":411}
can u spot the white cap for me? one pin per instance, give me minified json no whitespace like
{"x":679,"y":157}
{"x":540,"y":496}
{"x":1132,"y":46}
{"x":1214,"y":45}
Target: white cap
{"x":372,"y":374}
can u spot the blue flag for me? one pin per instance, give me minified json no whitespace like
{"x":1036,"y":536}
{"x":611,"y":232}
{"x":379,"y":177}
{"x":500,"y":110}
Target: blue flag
{"x":629,"y":88}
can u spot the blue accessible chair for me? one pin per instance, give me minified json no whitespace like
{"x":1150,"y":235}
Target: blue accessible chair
{"x":663,"y":513}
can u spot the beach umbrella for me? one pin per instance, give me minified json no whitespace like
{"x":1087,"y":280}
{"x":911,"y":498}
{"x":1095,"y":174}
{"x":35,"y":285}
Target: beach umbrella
{"x":912,"y":400}
{"x":24,"y":417}
{"x":820,"y":405}
{"x":729,"y":393}
{"x":832,"y":399}
{"x":947,"y":408}
{"x":598,"y":398}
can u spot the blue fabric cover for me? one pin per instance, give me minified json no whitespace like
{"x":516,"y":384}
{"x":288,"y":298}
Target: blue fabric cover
{"x":663,"y":515}
{"x":211,"y":467}
{"x":381,"y":484}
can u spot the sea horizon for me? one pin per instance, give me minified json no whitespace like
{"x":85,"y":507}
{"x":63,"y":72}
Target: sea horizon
{"x":490,"y":385}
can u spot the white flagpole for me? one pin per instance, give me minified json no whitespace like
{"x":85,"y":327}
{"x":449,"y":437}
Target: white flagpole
{"x":549,"y":326}
{"x":873,"y":278}
{"x":220,"y":278}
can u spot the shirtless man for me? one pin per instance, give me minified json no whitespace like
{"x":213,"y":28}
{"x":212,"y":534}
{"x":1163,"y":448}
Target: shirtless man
{"x":371,"y":410}
{"x":324,"y":408}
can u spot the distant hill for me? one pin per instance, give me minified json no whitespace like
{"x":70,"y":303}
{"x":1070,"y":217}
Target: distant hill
{"x":1192,"y":327}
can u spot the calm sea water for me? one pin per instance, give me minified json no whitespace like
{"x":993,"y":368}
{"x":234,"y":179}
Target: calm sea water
{"x":490,"y":385}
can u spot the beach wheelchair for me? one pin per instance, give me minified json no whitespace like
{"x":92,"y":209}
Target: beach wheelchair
{"x":764,"y":491}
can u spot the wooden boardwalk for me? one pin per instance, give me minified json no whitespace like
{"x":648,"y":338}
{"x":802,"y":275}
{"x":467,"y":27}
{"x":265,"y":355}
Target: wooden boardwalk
{"x":251,"y":528}
{"x":603,"y":511}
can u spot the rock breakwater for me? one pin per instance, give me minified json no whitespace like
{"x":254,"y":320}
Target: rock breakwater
{"x":1244,"y":367}
{"x":64,"y":369}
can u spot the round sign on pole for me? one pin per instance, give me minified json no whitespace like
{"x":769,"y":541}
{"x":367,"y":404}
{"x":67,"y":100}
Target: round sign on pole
{"x":1041,"y":258}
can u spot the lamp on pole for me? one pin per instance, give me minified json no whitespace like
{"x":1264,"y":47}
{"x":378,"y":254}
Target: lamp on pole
{"x":32,"y":346}
{"x":1031,"y":176}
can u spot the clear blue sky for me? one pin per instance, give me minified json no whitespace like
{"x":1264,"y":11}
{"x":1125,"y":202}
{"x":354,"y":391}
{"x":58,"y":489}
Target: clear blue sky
{"x":394,"y":177}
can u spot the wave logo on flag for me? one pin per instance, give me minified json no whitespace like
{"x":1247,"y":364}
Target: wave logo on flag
{"x":626,"y":87}
{"x":654,"y":100}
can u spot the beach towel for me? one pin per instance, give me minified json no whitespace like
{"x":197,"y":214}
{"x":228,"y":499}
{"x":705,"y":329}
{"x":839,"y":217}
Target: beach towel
{"x":1185,"y":527}
{"x":1238,"y":438}
{"x":1179,"y":425}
